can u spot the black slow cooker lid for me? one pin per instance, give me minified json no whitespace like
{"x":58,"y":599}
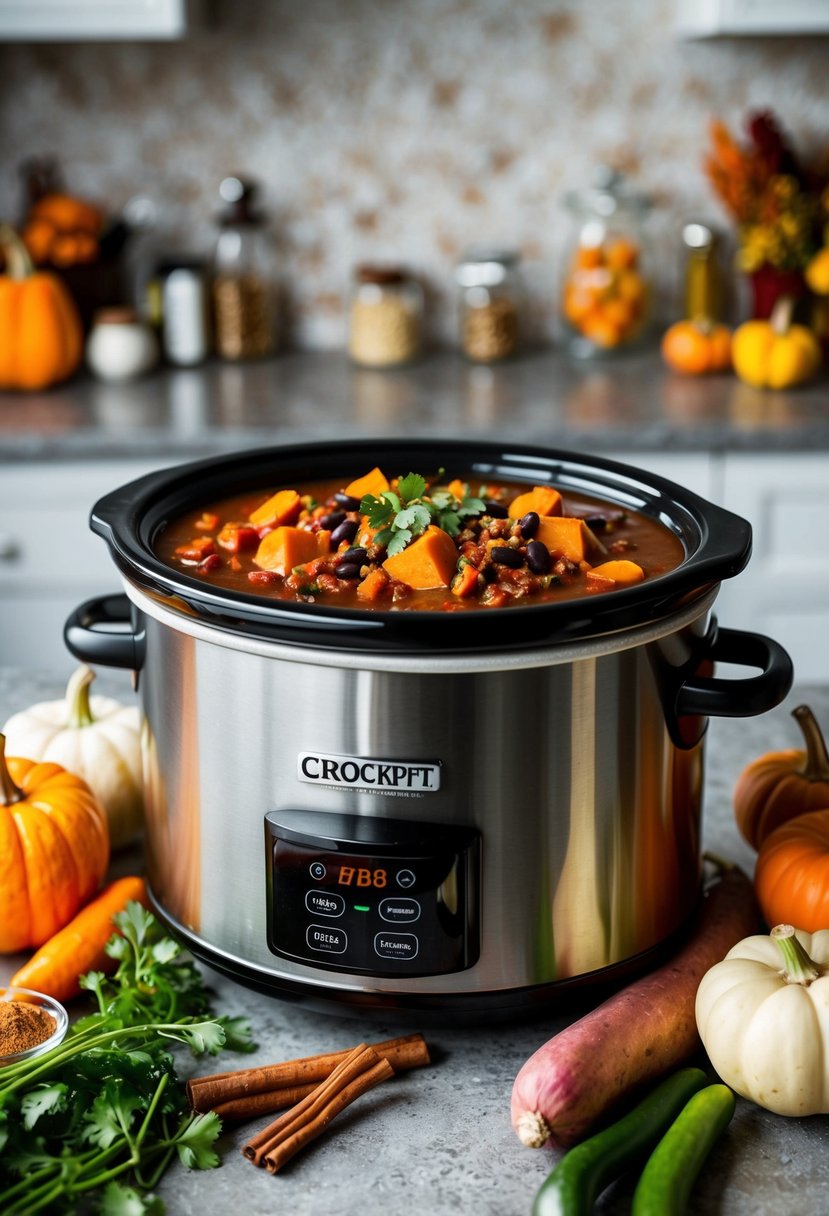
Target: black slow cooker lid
{"x":717,"y":545}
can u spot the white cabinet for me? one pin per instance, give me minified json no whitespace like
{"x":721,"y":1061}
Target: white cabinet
{"x":696,"y":471}
{"x":82,"y":20}
{"x":784,"y":591}
{"x":49,"y":559}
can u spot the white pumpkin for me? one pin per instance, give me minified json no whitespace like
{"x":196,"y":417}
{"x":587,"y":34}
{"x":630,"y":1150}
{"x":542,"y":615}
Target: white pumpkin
{"x":98,"y":739}
{"x":763,"y":1017}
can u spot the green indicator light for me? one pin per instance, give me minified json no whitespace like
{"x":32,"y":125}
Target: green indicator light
{"x":362,"y":908}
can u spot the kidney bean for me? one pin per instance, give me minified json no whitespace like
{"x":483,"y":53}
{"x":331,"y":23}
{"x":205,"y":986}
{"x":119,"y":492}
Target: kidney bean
{"x":347,"y":570}
{"x":538,"y":557}
{"x":496,"y":510}
{"x":347,"y":501}
{"x":528,"y":524}
{"x":502,"y":555}
{"x":331,"y":520}
{"x":347,"y":530}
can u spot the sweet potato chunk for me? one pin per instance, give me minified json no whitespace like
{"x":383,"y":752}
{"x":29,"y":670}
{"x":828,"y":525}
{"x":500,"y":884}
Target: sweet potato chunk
{"x":623,"y":572}
{"x":427,"y":562}
{"x":544,"y":500}
{"x":373,"y":586}
{"x":372,"y":483}
{"x":287,"y":547}
{"x":565,"y":535}
{"x":282,"y":508}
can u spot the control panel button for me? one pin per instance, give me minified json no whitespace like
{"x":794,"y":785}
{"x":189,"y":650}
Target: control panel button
{"x":325,"y":903}
{"x":326,"y":939}
{"x":317,"y":870}
{"x":405,"y":879}
{"x":398,"y":909}
{"x":396,"y":945}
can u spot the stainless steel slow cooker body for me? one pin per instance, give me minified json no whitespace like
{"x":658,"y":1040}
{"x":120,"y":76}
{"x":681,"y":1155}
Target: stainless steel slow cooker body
{"x":456,"y":811}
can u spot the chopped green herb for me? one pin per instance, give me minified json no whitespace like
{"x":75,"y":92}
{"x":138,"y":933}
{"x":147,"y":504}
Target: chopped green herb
{"x":401,"y":517}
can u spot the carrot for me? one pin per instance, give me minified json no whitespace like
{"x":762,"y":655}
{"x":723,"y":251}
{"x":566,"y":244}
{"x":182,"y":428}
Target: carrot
{"x":544,"y":500}
{"x":429,"y":561}
{"x":637,"y":1035}
{"x":285,"y":548}
{"x":79,"y":946}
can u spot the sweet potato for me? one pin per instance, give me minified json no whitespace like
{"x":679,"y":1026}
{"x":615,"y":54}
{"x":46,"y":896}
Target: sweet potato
{"x":427,"y":562}
{"x":458,"y":489}
{"x":637,"y":1035}
{"x":373,"y":586}
{"x":281,"y":508}
{"x":622,"y":572}
{"x":287,"y":547}
{"x":563,"y":535}
{"x":374,"y":483}
{"x":544,"y":500}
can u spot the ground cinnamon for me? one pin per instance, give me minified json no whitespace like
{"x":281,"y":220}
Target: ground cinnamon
{"x":254,"y":1091}
{"x":23,"y":1025}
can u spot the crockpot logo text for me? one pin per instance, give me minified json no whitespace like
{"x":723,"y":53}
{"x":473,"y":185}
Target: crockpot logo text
{"x":398,"y":776}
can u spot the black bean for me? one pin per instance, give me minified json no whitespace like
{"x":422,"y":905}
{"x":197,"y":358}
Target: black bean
{"x":332,"y":519}
{"x":354,"y":556}
{"x":347,"y":530}
{"x":502,"y":555}
{"x":528,"y":524}
{"x":538,"y":557}
{"x":347,"y":501}
{"x":496,"y":510}
{"x":347,"y":570}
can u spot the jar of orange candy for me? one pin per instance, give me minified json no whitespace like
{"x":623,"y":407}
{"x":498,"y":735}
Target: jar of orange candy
{"x":605,"y":292}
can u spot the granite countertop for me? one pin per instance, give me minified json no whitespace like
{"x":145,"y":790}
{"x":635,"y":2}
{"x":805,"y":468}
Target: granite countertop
{"x":628,"y":403}
{"x":438,"y":1141}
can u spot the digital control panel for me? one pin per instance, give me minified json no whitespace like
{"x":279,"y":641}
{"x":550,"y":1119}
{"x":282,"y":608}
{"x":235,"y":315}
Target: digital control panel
{"x":380,"y":897}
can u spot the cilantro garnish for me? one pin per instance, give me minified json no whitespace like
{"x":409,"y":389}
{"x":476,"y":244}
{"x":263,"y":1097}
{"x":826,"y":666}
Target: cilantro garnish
{"x":400,"y":517}
{"x":102,"y":1115}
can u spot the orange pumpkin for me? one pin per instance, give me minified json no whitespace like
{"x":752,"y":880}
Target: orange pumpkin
{"x":54,"y":849}
{"x":782,"y":785}
{"x":792,"y":874}
{"x":696,"y":347}
{"x":41,"y":339}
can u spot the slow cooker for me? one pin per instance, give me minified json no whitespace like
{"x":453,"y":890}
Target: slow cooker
{"x":445,"y":811}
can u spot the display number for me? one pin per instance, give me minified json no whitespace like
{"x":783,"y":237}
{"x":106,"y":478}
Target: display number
{"x":357,"y":876}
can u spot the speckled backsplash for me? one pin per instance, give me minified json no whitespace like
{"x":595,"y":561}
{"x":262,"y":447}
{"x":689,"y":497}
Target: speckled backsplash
{"x":401,"y":129}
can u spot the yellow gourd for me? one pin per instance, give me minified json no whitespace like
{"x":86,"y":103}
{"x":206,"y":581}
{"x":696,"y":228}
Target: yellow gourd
{"x":817,"y":272}
{"x":775,"y":353}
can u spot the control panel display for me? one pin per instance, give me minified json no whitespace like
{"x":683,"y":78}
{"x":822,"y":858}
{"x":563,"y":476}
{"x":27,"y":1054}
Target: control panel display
{"x":374,"y":896}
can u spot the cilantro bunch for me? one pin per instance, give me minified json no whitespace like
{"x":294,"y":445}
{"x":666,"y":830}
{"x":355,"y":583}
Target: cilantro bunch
{"x":103,"y":1114}
{"x":406,"y":514}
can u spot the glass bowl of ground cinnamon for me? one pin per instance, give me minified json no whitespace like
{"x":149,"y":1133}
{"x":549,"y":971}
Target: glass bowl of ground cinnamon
{"x":30,"y":1024}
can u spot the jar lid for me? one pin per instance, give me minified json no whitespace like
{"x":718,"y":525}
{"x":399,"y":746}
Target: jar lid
{"x":381,"y":274}
{"x":485,"y":267}
{"x":608,"y":195}
{"x":115,"y":316}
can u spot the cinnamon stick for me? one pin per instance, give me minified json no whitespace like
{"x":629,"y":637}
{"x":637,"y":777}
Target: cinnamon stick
{"x":237,"y":1089}
{"x":311,"y":1128}
{"x":237,"y":1109}
{"x":356,"y":1061}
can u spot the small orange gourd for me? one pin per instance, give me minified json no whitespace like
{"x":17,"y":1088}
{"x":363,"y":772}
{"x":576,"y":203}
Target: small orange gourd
{"x":54,"y":849}
{"x":694,"y":348}
{"x":791,"y":878}
{"x":41,"y":339}
{"x":779,"y":786}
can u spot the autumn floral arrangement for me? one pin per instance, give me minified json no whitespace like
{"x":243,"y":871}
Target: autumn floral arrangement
{"x":779,"y":202}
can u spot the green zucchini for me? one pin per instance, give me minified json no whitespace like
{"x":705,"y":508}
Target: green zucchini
{"x":670,"y":1171}
{"x":584,"y":1172}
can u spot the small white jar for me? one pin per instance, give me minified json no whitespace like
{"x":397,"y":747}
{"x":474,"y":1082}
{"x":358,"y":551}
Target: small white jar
{"x":120,"y":347}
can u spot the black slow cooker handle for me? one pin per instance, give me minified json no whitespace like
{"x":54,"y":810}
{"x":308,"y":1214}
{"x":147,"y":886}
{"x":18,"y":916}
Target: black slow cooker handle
{"x":101,"y":631}
{"x":711,"y":696}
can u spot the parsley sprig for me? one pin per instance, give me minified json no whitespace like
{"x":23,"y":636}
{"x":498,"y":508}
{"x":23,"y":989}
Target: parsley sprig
{"x":405,"y":514}
{"x":103,"y":1114}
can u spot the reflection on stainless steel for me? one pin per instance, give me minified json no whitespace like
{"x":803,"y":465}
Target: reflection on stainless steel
{"x":589,"y":813}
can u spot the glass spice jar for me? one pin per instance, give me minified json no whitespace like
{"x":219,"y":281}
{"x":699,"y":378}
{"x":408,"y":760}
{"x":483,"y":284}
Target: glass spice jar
{"x":489,"y":304}
{"x":243,"y":288}
{"x":385,"y":316}
{"x":606,"y":287}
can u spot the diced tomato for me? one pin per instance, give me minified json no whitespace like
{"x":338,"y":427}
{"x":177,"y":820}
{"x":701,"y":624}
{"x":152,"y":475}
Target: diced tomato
{"x":465,"y":582}
{"x":238,"y":537}
{"x":196,"y":551}
{"x":208,"y":522}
